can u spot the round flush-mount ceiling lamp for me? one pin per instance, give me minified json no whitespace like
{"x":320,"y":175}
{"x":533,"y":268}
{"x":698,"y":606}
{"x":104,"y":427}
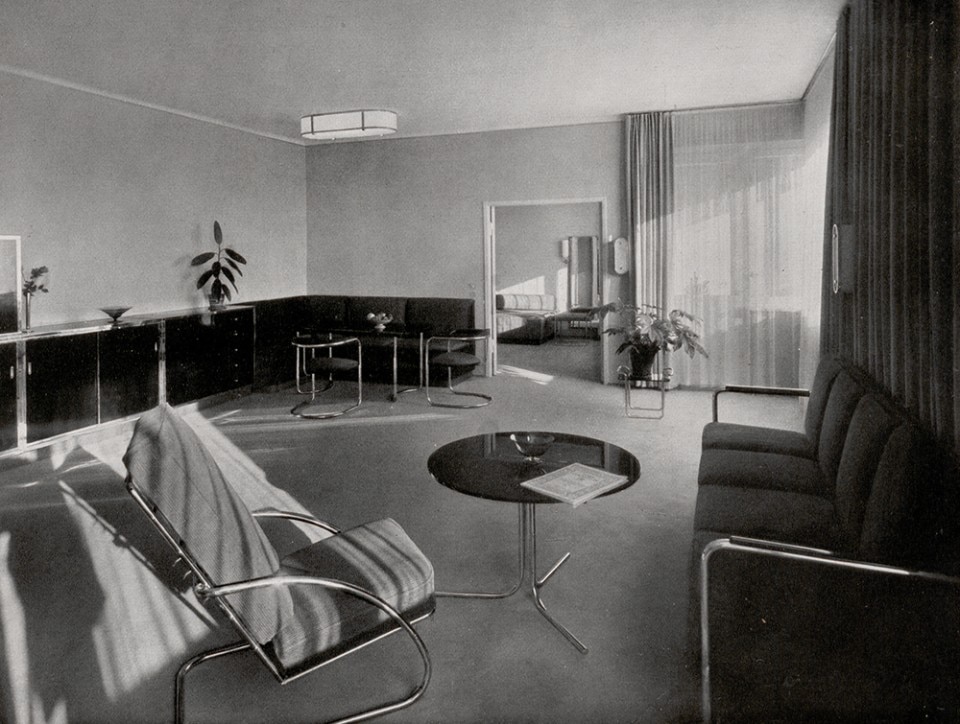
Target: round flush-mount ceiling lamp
{"x":348,"y":124}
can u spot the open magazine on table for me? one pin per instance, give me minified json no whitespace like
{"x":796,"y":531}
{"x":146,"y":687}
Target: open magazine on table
{"x":575,"y":484}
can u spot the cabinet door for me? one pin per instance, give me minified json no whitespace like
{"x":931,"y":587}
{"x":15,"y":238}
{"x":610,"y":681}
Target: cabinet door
{"x":191,"y":368}
{"x":61,"y":385}
{"x":208,"y":353}
{"x":129,"y":371}
{"x":8,"y":396}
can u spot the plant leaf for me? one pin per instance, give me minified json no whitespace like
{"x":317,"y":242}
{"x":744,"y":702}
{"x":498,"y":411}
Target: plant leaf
{"x":229,"y":275}
{"x":204,"y":278}
{"x":236,"y":256}
{"x":226,"y":292}
{"x":202,"y":258}
{"x":216,"y":289}
{"x":233,"y":265}
{"x":215,"y":268}
{"x":217,"y":233}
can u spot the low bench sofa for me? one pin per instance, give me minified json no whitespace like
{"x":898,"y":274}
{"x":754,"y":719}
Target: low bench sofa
{"x":525,"y":318}
{"x":824,"y":562}
{"x":278,"y":320}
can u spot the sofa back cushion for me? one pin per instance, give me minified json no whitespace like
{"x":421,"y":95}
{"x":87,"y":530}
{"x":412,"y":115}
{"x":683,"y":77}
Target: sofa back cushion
{"x":440,"y":314}
{"x":324,"y":311}
{"x":357,"y":309}
{"x":827,"y":371}
{"x":866,"y":437}
{"x":170,"y":466}
{"x":890,"y":525}
{"x":845,"y":393}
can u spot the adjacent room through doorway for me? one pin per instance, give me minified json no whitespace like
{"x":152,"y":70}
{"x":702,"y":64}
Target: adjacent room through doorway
{"x":546,"y":262}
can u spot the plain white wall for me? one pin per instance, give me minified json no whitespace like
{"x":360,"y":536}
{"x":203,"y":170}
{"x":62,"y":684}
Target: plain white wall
{"x":405,"y":216}
{"x":116,"y":198}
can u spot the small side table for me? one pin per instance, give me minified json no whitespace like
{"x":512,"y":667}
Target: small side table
{"x":656,"y":381}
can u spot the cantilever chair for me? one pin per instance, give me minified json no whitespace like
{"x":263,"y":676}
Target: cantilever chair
{"x":310,"y":364}
{"x":455,"y":357}
{"x":297,"y":613}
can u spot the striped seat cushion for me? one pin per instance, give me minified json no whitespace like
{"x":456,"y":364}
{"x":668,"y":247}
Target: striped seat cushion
{"x":378,"y":557}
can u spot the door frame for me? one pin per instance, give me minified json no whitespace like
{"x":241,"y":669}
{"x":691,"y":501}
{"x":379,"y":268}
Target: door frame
{"x":490,"y":267}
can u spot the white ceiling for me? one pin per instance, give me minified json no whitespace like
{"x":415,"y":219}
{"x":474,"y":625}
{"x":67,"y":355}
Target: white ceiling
{"x":446,"y":66}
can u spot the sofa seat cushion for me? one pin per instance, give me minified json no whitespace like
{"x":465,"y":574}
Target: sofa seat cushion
{"x":767,"y":471}
{"x":378,"y":557}
{"x":770,"y":514}
{"x":733,"y":436}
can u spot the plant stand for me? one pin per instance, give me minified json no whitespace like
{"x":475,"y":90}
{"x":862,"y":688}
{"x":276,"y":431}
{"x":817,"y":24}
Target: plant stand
{"x":656,"y":381}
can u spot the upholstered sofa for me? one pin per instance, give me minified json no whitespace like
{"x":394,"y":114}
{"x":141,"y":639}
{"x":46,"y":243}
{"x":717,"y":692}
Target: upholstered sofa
{"x":824,"y":560}
{"x":278,"y":320}
{"x":525,"y":318}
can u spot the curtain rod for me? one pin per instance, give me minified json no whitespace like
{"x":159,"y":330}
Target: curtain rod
{"x":734,"y":106}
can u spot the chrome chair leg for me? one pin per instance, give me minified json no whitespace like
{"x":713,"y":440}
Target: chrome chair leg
{"x":180,"y":682}
{"x":486,"y":399}
{"x":300,"y":409}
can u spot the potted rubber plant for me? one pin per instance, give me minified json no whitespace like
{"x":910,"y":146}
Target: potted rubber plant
{"x":224,"y":269}
{"x":646,"y":330}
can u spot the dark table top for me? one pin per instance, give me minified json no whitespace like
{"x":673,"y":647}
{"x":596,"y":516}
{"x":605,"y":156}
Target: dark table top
{"x":490,"y":466}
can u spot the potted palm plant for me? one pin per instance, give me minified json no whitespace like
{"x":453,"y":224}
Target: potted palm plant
{"x":646,"y":331}
{"x":226,"y":264}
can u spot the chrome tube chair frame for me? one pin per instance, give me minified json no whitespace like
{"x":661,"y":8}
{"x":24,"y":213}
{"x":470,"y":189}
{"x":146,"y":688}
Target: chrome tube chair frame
{"x":783,"y":551}
{"x":452,"y":358}
{"x":755,"y":390}
{"x":204,"y":588}
{"x":301,"y":346}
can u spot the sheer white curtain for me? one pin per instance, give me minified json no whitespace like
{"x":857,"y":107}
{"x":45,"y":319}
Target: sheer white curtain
{"x":746,"y":249}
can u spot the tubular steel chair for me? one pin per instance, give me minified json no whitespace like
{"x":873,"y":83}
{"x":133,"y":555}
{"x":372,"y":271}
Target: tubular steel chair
{"x":454,"y":357}
{"x":297,"y":613}
{"x":308,"y":362}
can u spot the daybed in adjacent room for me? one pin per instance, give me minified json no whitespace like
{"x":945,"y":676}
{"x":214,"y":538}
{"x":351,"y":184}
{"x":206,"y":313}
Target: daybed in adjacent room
{"x":525,"y":318}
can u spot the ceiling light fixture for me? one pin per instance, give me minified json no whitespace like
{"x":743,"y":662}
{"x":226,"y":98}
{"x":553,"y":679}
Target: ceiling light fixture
{"x":348,"y":124}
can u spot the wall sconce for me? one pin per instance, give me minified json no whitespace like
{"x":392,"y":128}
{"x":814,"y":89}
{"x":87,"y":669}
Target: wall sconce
{"x":843,"y":258}
{"x":621,"y":255}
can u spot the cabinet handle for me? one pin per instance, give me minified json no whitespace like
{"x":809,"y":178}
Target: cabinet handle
{"x":13,"y":372}
{"x":29,"y":368}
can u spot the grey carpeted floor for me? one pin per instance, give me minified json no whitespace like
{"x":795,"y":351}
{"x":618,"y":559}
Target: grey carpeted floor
{"x":74,"y":561}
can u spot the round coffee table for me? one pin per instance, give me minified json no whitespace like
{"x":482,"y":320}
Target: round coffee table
{"x":490,"y":466}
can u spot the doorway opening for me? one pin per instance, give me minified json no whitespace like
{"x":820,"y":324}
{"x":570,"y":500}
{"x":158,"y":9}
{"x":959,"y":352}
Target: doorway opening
{"x":542,"y":266}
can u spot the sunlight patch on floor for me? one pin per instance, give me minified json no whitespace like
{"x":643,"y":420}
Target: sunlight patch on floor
{"x":539,"y":377}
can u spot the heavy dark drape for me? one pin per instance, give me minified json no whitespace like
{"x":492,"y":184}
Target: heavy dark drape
{"x":891,"y":188}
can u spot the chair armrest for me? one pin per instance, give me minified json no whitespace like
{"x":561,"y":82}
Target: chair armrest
{"x":756,"y":390}
{"x":298,"y":517}
{"x":803,"y":627}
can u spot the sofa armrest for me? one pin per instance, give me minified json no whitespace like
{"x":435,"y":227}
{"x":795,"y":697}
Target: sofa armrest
{"x":756,"y":390}
{"x":809,"y":633}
